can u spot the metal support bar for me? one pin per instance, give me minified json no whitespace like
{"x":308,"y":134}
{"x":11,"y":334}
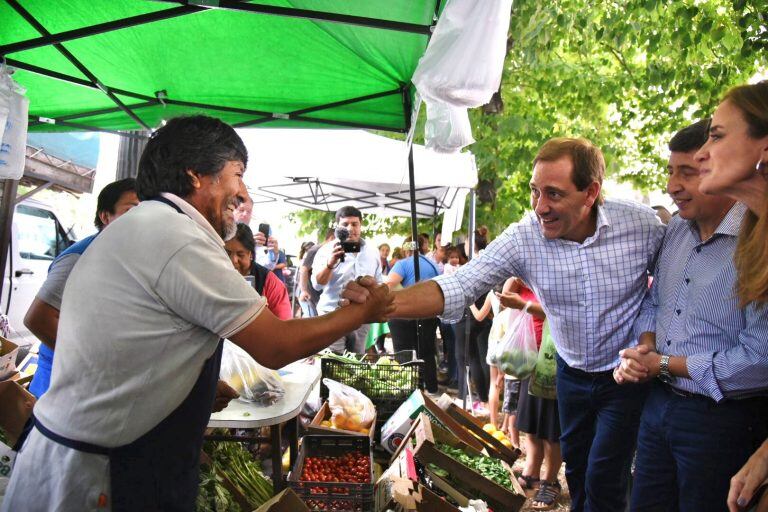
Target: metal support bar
{"x":39,"y":188}
{"x":7,"y":205}
{"x":101,"y":28}
{"x":89,"y":128}
{"x":468,"y":324}
{"x":236,"y":5}
{"x":101,"y":111}
{"x":75,"y":62}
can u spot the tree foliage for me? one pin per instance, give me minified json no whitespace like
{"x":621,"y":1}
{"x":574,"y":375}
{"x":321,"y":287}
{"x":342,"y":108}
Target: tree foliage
{"x":625,"y":74}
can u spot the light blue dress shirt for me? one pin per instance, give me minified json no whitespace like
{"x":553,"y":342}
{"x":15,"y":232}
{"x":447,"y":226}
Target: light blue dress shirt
{"x":590,"y":291}
{"x":693,"y":309}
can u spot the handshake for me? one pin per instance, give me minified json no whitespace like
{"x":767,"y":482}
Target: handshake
{"x":373,"y":299}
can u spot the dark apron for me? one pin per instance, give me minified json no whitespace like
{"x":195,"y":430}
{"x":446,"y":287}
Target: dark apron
{"x":159,"y":470}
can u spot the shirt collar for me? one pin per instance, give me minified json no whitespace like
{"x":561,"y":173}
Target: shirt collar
{"x":730,"y":224}
{"x":195,"y":215}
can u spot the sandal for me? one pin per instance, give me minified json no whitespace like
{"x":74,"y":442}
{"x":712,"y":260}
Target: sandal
{"x":527,"y":482}
{"x":547,"y":496}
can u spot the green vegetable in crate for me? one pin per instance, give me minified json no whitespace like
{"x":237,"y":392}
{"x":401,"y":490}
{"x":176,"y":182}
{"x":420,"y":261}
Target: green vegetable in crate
{"x":488,"y":467}
{"x":515,"y":354}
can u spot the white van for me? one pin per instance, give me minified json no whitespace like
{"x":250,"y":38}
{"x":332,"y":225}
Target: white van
{"x":37,"y":237}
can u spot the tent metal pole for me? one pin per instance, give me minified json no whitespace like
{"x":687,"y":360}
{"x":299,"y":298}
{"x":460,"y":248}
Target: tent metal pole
{"x":34,"y":121}
{"x":100,"y":28}
{"x":237,"y":5}
{"x":468,"y":323}
{"x":75,"y":62}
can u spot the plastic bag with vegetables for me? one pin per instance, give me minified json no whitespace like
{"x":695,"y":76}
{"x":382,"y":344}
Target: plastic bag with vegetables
{"x":517,"y":352}
{"x":254,"y":382}
{"x":350,"y":409}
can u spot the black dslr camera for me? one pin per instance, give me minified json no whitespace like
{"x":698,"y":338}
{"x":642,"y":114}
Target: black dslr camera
{"x":349,"y":246}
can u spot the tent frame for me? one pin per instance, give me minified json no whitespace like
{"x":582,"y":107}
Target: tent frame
{"x":187,"y":7}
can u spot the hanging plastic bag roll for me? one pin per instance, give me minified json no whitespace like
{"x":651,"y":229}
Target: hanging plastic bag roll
{"x":463,"y":63}
{"x":14,"y":107}
{"x":447,"y":129}
{"x":254,"y":382}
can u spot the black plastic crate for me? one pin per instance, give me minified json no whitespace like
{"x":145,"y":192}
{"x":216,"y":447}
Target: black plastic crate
{"x":335,"y":496}
{"x":387,"y":387}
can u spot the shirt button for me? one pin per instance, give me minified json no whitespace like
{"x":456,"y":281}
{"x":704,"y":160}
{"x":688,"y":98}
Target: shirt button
{"x":687,"y":280}
{"x":698,"y":249}
{"x":678,"y":311}
{"x":669,"y":343}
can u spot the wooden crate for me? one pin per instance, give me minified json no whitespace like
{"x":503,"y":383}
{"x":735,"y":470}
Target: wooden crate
{"x":325,"y":414}
{"x":493,"y":446}
{"x":428,"y":435}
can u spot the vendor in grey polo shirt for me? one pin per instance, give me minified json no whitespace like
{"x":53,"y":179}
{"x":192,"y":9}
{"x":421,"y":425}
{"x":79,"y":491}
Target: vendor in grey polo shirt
{"x":139,"y":340}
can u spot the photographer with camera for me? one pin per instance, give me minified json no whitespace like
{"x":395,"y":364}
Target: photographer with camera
{"x":341,"y":262}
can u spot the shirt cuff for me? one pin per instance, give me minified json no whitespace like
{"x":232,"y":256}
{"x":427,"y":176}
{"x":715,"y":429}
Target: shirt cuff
{"x":453,"y":310}
{"x":701,"y":369}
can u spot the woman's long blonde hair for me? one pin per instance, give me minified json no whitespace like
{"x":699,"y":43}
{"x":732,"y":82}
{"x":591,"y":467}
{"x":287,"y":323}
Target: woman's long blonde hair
{"x":751,"y":257}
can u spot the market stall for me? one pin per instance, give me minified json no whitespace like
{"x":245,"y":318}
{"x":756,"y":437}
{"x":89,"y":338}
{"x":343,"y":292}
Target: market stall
{"x":128,"y":65}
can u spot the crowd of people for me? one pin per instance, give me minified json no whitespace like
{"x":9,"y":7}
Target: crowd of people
{"x":660,"y":324}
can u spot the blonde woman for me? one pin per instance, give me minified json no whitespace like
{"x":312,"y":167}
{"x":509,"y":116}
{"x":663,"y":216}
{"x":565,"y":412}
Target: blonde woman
{"x":734,"y":162}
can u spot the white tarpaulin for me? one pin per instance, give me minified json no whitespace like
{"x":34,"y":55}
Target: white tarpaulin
{"x":328,"y":169}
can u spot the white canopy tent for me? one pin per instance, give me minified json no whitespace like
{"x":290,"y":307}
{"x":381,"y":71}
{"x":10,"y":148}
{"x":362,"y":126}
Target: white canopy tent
{"x":328,"y":169}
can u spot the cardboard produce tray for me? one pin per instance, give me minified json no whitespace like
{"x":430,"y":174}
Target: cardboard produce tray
{"x":493,"y":446}
{"x":465,"y":480}
{"x":324,"y":414}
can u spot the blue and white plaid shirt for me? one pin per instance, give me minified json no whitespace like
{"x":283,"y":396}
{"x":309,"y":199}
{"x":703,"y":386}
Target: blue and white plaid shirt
{"x":693,"y":309}
{"x":590,"y":291}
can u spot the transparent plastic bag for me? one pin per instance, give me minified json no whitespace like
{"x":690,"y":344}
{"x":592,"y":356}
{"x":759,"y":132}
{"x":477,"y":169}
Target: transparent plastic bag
{"x":544,"y":377}
{"x":501,"y":324}
{"x":517,"y":353}
{"x":463,"y":63}
{"x":254,"y":382}
{"x":447,"y":129}
{"x":350,"y":409}
{"x":14,"y":107}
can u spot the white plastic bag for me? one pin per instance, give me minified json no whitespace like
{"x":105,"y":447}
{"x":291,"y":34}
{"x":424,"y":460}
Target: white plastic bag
{"x":465,"y":57}
{"x":502,"y":322}
{"x":517,"y":352}
{"x":14,"y":107}
{"x":350,"y":409}
{"x":254,"y":382}
{"x":447,"y":129}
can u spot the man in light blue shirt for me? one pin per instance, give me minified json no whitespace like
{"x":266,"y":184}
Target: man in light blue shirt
{"x":698,"y":427}
{"x":333,"y":268}
{"x":588,"y":262}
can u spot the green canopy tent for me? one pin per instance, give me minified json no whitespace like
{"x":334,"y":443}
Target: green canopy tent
{"x":124,"y":65}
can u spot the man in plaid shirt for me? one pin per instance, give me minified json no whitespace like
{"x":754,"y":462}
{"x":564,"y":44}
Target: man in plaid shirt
{"x":588,"y":261}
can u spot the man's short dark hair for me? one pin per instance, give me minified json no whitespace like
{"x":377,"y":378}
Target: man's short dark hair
{"x":690,"y":138}
{"x":199,"y":143}
{"x":587,"y":159}
{"x":244,"y":235}
{"x":109,"y":196}
{"x":348,"y":211}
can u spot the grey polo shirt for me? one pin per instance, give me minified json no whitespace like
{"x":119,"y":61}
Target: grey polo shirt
{"x":140,"y":316}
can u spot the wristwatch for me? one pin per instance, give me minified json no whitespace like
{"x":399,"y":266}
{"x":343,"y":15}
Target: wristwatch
{"x":664,"y":374}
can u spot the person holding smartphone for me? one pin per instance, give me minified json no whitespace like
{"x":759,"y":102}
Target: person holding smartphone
{"x":336,"y":264}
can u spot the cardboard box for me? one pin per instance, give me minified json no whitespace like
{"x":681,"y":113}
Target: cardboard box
{"x":463,"y":479}
{"x":473,"y":425}
{"x":284,"y":501}
{"x":15,"y":408}
{"x":395,"y":429}
{"x":324,"y":414}
{"x":399,"y":488}
{"x":8,"y":352}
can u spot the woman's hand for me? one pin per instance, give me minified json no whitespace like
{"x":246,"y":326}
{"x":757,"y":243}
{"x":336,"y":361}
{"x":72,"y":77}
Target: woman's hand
{"x":749,"y":479}
{"x":511,"y":300}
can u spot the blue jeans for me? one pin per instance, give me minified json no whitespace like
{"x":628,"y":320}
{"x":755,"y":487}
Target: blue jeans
{"x":688,"y":449}
{"x":599,"y":421}
{"x":308,"y":309}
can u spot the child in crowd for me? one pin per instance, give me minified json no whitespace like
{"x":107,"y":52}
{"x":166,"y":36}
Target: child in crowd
{"x":452,"y":265}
